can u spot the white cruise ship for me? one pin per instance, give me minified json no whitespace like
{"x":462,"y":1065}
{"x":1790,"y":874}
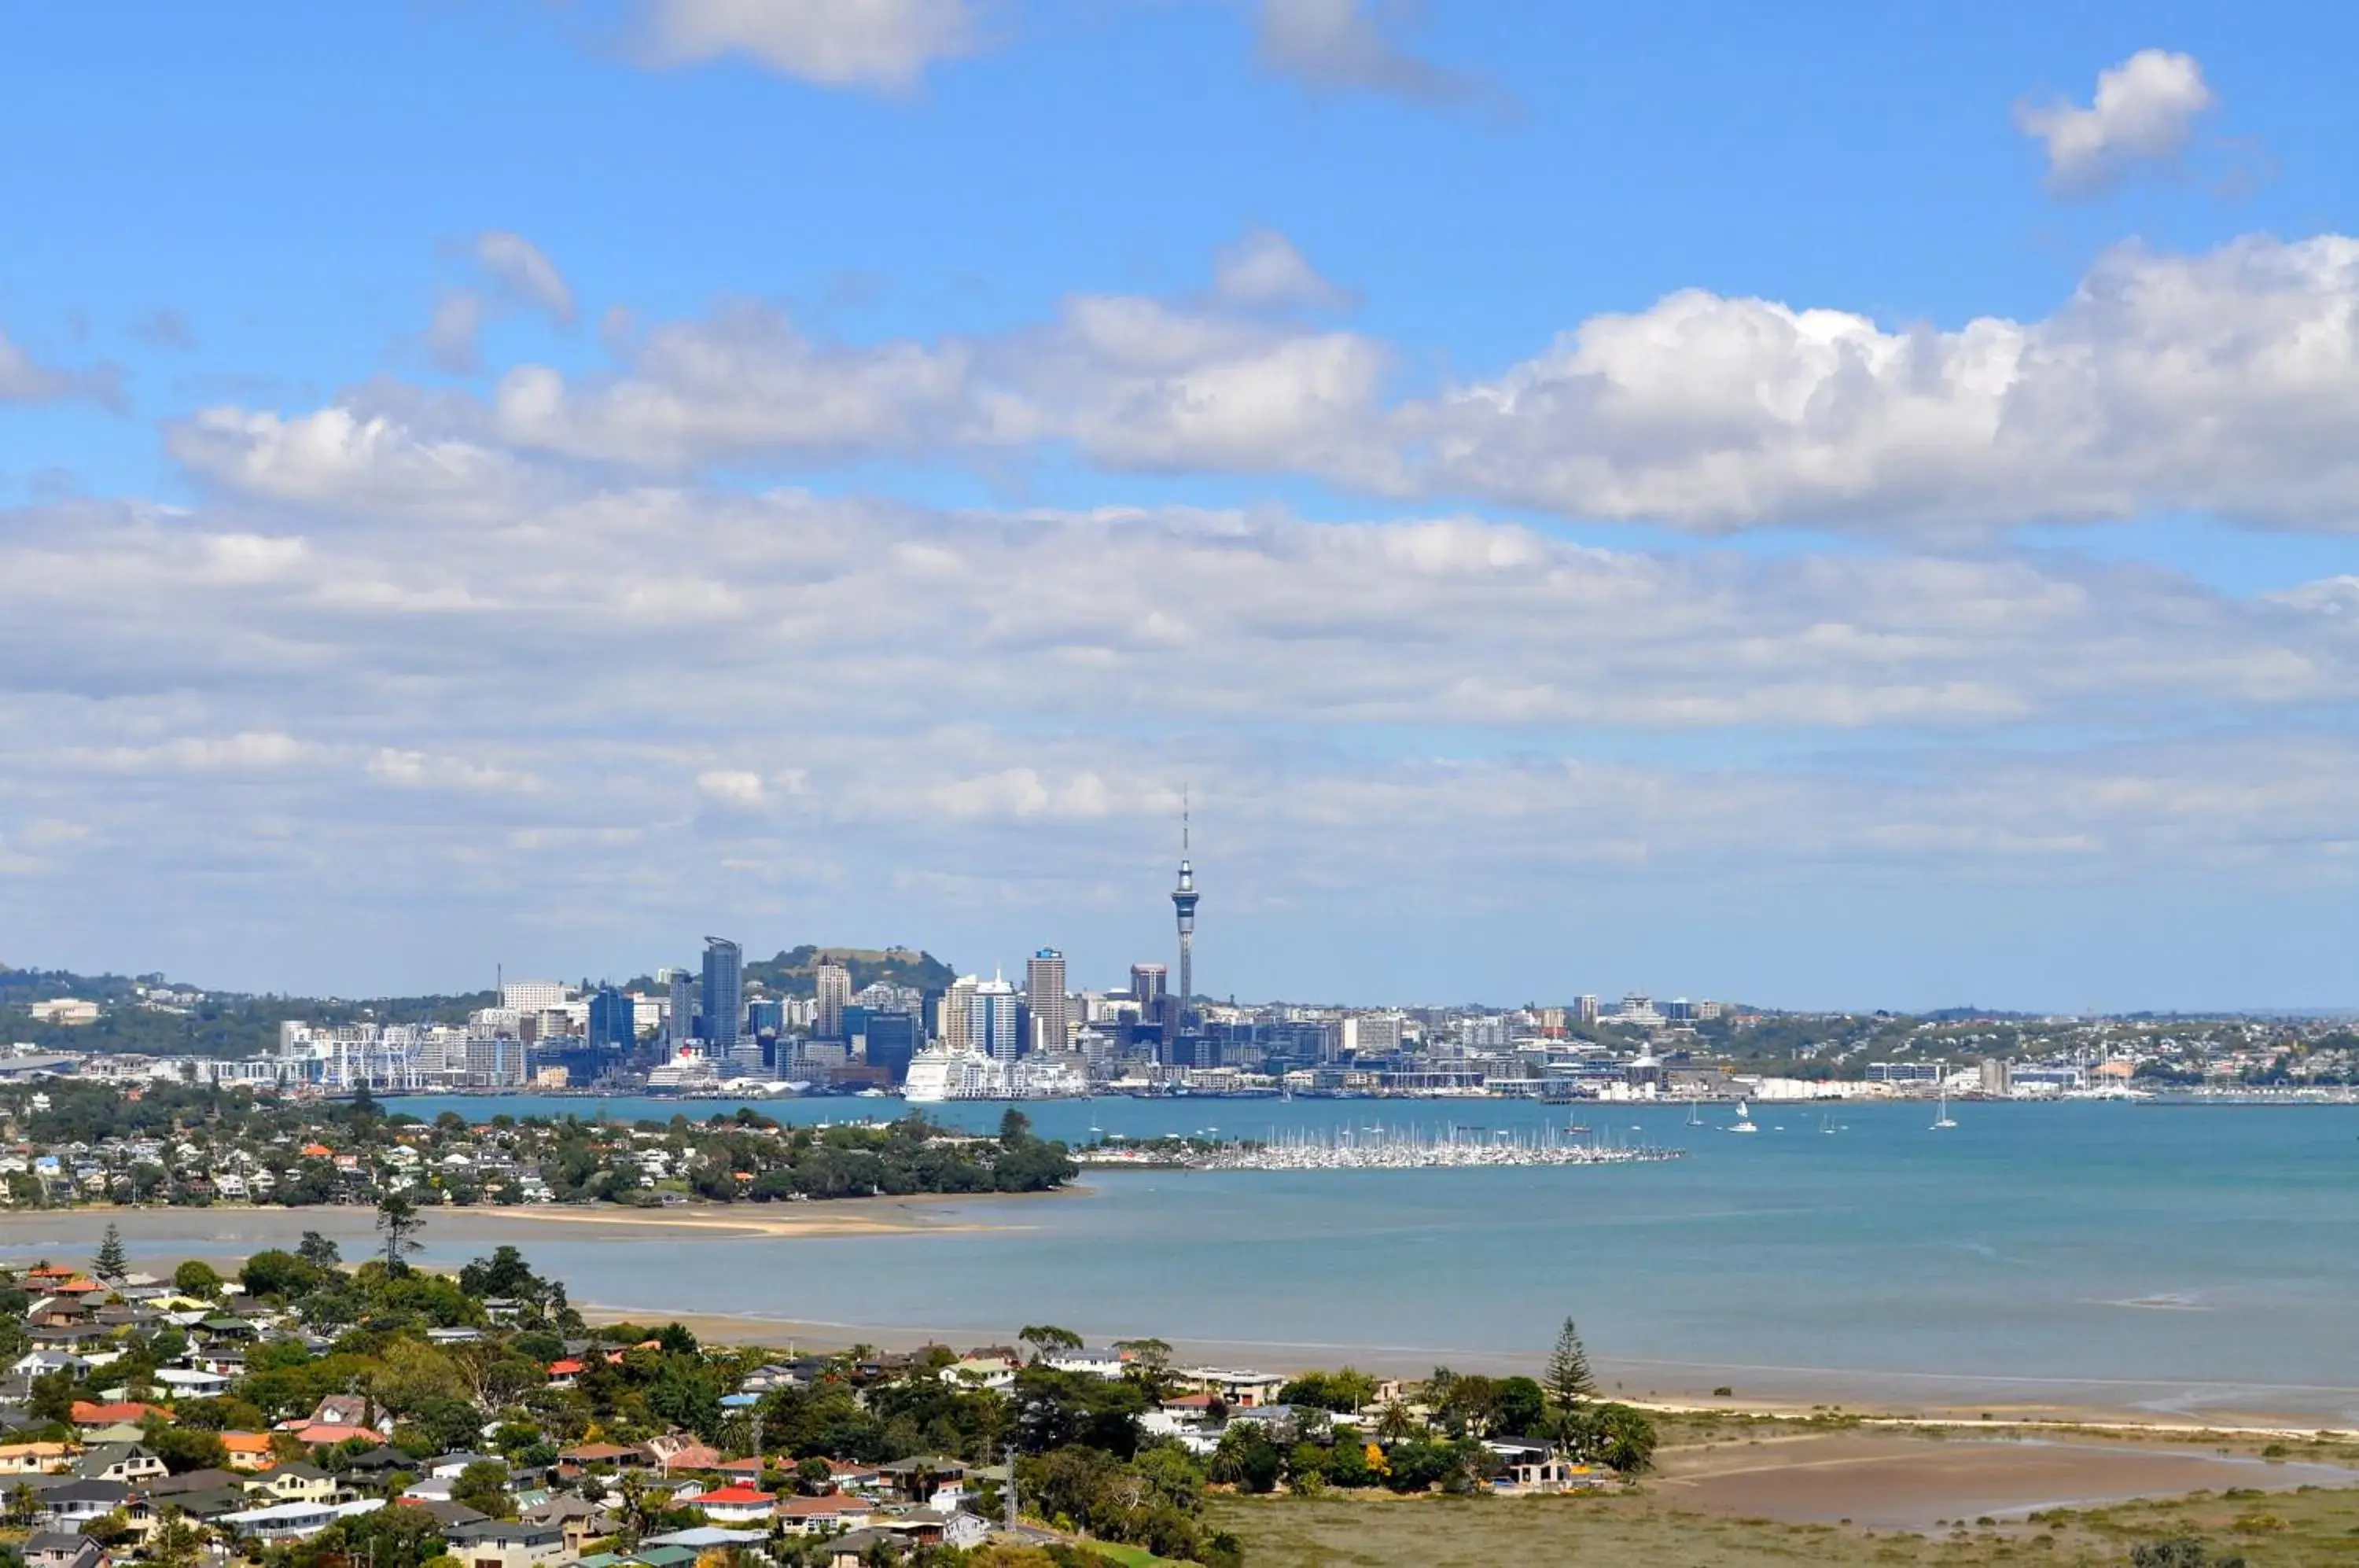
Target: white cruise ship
{"x":937,"y":1074}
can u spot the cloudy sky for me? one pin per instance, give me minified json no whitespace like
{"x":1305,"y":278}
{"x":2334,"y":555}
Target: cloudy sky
{"x":1853,"y":507}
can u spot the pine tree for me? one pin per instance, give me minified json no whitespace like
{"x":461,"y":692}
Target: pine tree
{"x":1568,"y":1377}
{"x":400,"y":1222}
{"x":111,"y":1265}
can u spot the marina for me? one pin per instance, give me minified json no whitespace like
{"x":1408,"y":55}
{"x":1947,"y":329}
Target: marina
{"x":1412,"y":1148}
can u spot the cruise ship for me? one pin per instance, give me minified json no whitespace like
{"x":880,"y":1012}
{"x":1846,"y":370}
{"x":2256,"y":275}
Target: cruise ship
{"x":937,"y":1074}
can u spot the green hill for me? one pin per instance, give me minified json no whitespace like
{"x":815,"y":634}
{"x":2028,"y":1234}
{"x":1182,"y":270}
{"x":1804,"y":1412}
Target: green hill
{"x":795,"y":974}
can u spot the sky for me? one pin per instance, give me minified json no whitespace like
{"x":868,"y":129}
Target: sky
{"x":1847,"y":507}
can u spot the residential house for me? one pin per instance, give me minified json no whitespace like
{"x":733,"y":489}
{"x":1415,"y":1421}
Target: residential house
{"x":34,"y":1458}
{"x":294,"y":1521}
{"x":294,"y":1483}
{"x":840,"y":1510}
{"x":118,"y":1462}
{"x":737,"y":1503}
{"x":506,"y":1543}
{"x":248,"y":1450}
{"x":69,"y":1505}
{"x":52,"y":1549}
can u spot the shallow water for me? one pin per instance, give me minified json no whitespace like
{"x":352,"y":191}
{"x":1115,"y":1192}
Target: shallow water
{"x":2194,"y":1260}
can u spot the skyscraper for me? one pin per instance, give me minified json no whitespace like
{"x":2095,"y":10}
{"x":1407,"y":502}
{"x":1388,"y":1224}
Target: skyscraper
{"x":1183,"y":905}
{"x":723,"y":993}
{"x":955,"y":1003}
{"x":834,"y":984}
{"x":680,"y":1027}
{"x":991,"y":1020}
{"x":1044,"y":989}
{"x":613,"y":1021}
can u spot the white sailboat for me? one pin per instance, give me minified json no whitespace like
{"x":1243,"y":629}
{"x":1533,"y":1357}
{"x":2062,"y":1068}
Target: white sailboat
{"x":1941,"y":1117}
{"x":1743,"y":1122}
{"x":1695,"y":1114}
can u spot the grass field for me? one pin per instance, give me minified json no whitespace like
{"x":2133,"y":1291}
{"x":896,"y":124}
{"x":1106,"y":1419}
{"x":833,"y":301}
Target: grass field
{"x":2295,"y":1529}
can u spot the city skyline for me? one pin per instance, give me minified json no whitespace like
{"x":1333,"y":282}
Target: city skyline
{"x":1854,"y":509}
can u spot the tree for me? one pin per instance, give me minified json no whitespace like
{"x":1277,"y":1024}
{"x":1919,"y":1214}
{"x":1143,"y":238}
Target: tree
{"x":1046,"y":1337}
{"x":318,"y":1251}
{"x":483,"y":1487}
{"x":176,"y":1542}
{"x":1568,"y":1378}
{"x":1014,"y":1128}
{"x":398,"y":1219}
{"x":1615,"y":1435}
{"x":111,"y":1265}
{"x":197,"y":1278}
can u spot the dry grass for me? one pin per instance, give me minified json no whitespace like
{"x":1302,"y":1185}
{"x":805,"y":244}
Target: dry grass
{"x":2288,"y":1529}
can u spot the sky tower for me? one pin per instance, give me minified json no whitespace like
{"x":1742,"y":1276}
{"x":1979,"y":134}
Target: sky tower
{"x":1183,"y":905}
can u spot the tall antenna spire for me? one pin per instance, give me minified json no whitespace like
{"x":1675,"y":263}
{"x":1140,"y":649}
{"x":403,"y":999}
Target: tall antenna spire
{"x":1183,"y":905}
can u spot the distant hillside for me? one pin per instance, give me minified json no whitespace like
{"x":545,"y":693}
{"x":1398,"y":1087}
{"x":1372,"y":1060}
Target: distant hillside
{"x":795,"y":974}
{"x":215,"y":1023}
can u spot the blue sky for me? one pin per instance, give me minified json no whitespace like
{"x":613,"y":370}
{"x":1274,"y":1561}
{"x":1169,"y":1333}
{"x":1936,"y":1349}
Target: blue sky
{"x":1835,"y":508}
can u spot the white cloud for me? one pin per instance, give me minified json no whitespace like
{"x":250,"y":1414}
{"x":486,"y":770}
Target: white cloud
{"x":24,"y":380}
{"x":883,"y":45}
{"x":335,"y":457}
{"x":733,"y":787}
{"x":249,"y":751}
{"x":2222,"y":382}
{"x":423,"y":770}
{"x":2144,"y":112}
{"x":2216,"y":382}
{"x":522,"y":267}
{"x":1341,"y":45}
{"x":521,"y":277}
{"x":1263,"y":269}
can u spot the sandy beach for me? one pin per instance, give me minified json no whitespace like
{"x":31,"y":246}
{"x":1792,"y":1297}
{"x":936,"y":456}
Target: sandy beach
{"x":205,"y":1231}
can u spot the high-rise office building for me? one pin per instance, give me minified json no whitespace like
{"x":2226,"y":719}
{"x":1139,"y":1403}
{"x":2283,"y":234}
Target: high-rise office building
{"x":1043,"y":993}
{"x":834,"y":984}
{"x":956,"y":1001}
{"x":679,"y":1026}
{"x":724,"y":994}
{"x":893,"y":1039}
{"x":991,"y":1020}
{"x":614,"y":1020}
{"x":1147,"y":983}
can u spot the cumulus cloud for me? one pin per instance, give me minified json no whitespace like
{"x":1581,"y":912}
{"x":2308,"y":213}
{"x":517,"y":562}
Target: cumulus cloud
{"x":881,"y":44}
{"x":2216,"y":382}
{"x":603,"y":693}
{"x":2144,"y":113}
{"x":1341,"y":45}
{"x":339,"y":458}
{"x":2221,"y":381}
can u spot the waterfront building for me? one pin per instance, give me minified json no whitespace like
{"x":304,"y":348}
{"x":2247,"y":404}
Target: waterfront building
{"x":679,"y":1022}
{"x":1043,"y":993}
{"x":724,"y":994}
{"x":833,"y":983}
{"x":951,"y":1028}
{"x":533,"y":995}
{"x":613,"y":1023}
{"x":1371,"y":1034}
{"x":1584,"y":1010}
{"x":991,"y":1022}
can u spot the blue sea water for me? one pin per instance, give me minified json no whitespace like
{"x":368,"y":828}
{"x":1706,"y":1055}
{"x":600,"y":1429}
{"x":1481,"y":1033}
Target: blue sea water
{"x":2184,"y":1259}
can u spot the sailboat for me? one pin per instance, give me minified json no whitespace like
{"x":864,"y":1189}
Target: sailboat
{"x":1743,"y":1122}
{"x":1941,"y":1117}
{"x":1695,"y":1114}
{"x":1827,"y":1124}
